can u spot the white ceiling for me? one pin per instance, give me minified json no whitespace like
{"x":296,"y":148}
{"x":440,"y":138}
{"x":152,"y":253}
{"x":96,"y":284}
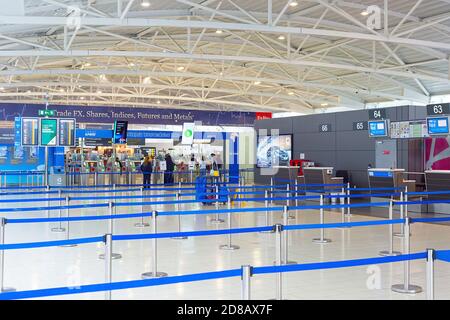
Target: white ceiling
{"x":117,"y":52}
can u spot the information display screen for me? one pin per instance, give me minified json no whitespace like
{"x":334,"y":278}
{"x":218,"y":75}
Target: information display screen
{"x":49,"y":132}
{"x":30,"y":131}
{"x":408,"y":129}
{"x":67,"y":132}
{"x":438,"y":126}
{"x":378,"y":128}
{"x":120,"y":132}
{"x":274,"y":151}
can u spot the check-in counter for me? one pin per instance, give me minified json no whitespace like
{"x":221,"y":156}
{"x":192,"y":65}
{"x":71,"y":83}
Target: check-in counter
{"x":438,"y":180}
{"x":322,"y":176}
{"x":389,"y":178}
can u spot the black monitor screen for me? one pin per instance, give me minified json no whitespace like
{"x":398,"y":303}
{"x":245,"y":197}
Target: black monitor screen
{"x":120,"y":132}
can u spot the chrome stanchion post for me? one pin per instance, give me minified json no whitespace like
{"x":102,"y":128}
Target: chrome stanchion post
{"x":155,"y":273}
{"x":342,"y":202}
{"x":348,"y":202}
{"x":108,"y":263}
{"x":279,"y":250}
{"x":285,"y":237}
{"x":47,"y":190}
{"x":2,"y":258}
{"x":229,"y":246}
{"x":247,"y":272}
{"x":391,"y":251}
{"x":406,"y":287}
{"x":322,"y":230}
{"x":142,"y":224}
{"x":114,"y":256}
{"x":60,"y":227}
{"x":266,"y":204}
{"x":430,"y":273}
{"x":179,"y":218}
{"x":68,"y":224}
{"x":271,"y":191}
{"x":217,"y":220}
{"x":289,"y":194}
{"x":402,"y":216}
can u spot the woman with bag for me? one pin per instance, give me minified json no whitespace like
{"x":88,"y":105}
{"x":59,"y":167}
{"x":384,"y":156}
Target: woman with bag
{"x":147,"y":169}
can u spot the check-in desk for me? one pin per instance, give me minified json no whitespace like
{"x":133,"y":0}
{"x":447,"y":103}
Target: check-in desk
{"x":389,"y":178}
{"x":438,"y":180}
{"x":322,"y":176}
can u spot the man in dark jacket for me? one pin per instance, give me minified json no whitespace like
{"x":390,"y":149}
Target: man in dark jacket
{"x":170,"y":166}
{"x":147,"y":169}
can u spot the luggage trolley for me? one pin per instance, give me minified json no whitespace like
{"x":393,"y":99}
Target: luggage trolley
{"x":205,"y":189}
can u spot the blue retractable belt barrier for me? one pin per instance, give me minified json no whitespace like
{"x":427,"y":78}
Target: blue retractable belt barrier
{"x":338,"y":264}
{"x":46,"y":244}
{"x":443,"y":255}
{"x":343,"y":224}
{"x":120,"y":285}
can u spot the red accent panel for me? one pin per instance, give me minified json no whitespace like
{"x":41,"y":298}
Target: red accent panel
{"x":263,"y":115}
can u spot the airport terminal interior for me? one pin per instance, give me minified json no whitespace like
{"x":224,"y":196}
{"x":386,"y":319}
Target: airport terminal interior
{"x":224,"y":150}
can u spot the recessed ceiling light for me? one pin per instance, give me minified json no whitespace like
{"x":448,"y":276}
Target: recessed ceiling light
{"x":180,"y":68}
{"x":28,"y":91}
{"x":131,"y":64}
{"x":81,"y":98}
{"x":364,"y":13}
{"x":158,"y":102}
{"x":1,"y":88}
{"x":257,"y":83}
{"x":145,"y":3}
{"x":291,"y":93}
{"x":219,"y":31}
{"x":147,"y":80}
{"x":293,"y":3}
{"x":61,"y":90}
{"x":99,"y":91}
{"x":324,"y":104}
{"x":281,"y":37}
{"x":87,"y":64}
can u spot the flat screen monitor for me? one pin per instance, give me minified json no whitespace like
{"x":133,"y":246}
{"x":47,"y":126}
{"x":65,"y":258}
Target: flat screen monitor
{"x":274,"y":151}
{"x":438,"y":126}
{"x":378,"y":128}
{"x":120,"y":132}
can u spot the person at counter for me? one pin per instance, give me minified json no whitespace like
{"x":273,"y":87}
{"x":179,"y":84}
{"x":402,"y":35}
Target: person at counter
{"x":147,"y":170}
{"x":168,"y":174}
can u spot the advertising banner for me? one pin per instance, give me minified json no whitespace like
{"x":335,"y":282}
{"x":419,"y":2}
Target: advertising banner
{"x":188,"y":133}
{"x":49,"y":132}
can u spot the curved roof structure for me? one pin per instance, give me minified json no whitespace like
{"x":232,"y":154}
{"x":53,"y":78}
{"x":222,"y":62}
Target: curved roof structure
{"x":252,"y":55}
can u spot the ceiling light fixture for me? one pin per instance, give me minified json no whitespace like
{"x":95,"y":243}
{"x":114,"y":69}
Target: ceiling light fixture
{"x":218,"y":31}
{"x":145,"y":3}
{"x":180,"y":68}
{"x":291,"y":93}
{"x":158,"y":102}
{"x":281,"y":37}
{"x":364,"y":13}
{"x":257,"y":83}
{"x":99,"y":91}
{"x":81,"y":98}
{"x":324,"y":104}
{"x":147,"y":80}
{"x":293,"y":3}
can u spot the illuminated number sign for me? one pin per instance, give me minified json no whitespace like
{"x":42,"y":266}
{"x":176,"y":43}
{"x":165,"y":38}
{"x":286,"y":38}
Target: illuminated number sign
{"x":377,"y":114}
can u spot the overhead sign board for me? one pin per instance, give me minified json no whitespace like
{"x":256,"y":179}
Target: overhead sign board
{"x":30,"y":131}
{"x":188,"y":133}
{"x":47,"y":113}
{"x":438,"y":109}
{"x":49,"y":132}
{"x":377,"y":114}
{"x":120,"y":132}
{"x":66,"y":135}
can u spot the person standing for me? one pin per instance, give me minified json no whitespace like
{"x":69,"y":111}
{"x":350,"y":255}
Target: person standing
{"x":147,"y":170}
{"x":170,"y":166}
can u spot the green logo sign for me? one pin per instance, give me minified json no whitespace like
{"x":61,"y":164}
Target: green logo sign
{"x":49,"y":132}
{"x":188,"y":133}
{"x":47,"y":113}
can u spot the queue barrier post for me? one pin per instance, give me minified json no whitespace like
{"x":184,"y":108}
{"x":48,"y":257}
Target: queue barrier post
{"x":108,"y":263}
{"x":114,"y":256}
{"x":406,"y":287}
{"x":179,"y":218}
{"x":285,"y":237}
{"x":142,"y":224}
{"x":68,"y":224}
{"x":266,"y":214}
{"x":390,"y":252}
{"x":288,"y":191}
{"x":60,"y":227}
{"x":229,"y":245}
{"x":271,"y":191}
{"x":349,"y":214}
{"x":278,"y":260}
{"x":2,"y":258}
{"x":155,"y":273}
{"x":217,"y":219}
{"x":247,"y":273}
{"x":342,"y":201}
{"x":322,"y":238}
{"x":401,"y":234}
{"x":431,"y":256}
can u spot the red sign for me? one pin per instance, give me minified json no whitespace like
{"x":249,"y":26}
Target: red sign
{"x":263,"y":115}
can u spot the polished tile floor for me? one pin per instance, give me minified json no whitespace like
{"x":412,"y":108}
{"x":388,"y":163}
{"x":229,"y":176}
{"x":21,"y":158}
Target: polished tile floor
{"x":30,"y":269}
